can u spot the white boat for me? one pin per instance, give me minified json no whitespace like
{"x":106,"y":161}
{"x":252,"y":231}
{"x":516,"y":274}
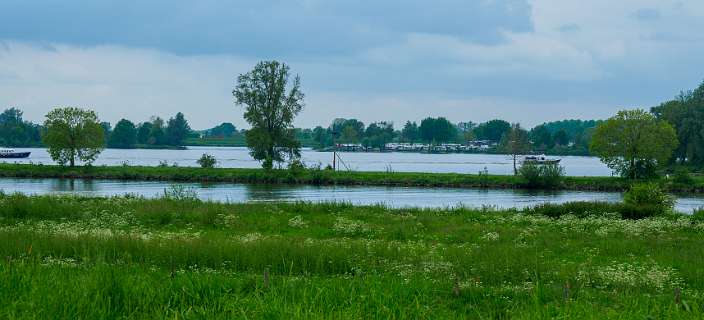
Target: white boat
{"x":541,"y":159}
{"x":11,"y":153}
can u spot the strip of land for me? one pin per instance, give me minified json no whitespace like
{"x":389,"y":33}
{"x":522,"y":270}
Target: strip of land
{"x":327,"y":177}
{"x":177,"y":257}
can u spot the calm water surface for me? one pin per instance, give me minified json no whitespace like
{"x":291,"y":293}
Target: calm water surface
{"x":402,"y":162}
{"x":391,"y":196}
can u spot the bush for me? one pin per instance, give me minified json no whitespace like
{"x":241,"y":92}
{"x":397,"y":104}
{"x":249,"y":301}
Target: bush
{"x":207,"y":161}
{"x":682,"y":176}
{"x":648,"y":197}
{"x":547,"y":176}
{"x":698,"y":215}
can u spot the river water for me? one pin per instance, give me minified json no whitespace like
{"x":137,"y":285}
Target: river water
{"x":402,"y":162}
{"x":361,"y":195}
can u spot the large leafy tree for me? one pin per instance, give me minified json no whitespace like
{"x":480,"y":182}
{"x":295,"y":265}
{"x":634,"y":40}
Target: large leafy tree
{"x":271,"y":104}
{"x":378,"y":134}
{"x":124,"y":135}
{"x":143,"y":132}
{"x":515,"y":142}
{"x":492,"y":130}
{"x":634,"y":143}
{"x":409,"y":133}
{"x":15,"y":132}
{"x":686,"y":114}
{"x":437,"y":130}
{"x":73,"y":134}
{"x":177,"y":129}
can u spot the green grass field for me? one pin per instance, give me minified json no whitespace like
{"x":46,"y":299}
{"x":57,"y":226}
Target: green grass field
{"x":174,"y":257}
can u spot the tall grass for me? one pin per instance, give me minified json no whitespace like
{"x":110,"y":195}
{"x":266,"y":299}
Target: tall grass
{"x":175,"y":257}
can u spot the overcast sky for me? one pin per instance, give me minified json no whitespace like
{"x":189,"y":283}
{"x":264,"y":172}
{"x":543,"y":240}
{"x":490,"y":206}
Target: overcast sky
{"x":525,"y":61}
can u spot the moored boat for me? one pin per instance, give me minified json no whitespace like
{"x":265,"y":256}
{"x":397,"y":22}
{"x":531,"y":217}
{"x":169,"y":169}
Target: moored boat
{"x":541,"y":159}
{"x":11,"y":153}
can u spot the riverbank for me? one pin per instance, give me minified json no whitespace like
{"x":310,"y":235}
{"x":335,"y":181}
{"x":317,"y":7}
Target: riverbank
{"x":324,"y":177}
{"x":176,"y":257}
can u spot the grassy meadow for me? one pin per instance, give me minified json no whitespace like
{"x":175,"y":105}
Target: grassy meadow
{"x":176,"y":257}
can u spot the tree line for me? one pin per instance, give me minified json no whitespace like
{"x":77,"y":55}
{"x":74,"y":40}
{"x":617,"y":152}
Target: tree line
{"x":634,"y":143}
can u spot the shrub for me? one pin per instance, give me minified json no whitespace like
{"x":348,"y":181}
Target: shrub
{"x":547,"y":176}
{"x":207,"y":161}
{"x":698,"y":215}
{"x":648,"y":197}
{"x":296,"y":168}
{"x":681,"y":176}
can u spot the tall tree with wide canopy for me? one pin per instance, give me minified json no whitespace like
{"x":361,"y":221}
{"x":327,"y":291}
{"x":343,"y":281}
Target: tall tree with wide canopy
{"x":634,"y":143}
{"x":73,"y":134}
{"x":270,"y":108}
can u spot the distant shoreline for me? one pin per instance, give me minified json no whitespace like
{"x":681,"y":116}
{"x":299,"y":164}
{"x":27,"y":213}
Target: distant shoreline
{"x":323,"y":177}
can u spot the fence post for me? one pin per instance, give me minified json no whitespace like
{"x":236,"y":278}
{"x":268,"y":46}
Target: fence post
{"x":266,"y":279}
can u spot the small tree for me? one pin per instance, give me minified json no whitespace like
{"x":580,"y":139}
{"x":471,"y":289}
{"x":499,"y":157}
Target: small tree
{"x":270,"y":110}
{"x":515,"y":142}
{"x":73,"y":134}
{"x":207,"y":161}
{"x":634,"y":143}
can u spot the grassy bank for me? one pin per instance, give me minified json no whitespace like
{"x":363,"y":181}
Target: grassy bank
{"x":180,"y":258}
{"x":322,"y":177}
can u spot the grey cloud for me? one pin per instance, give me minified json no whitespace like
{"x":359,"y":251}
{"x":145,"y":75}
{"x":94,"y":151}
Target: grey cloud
{"x":256,"y":28}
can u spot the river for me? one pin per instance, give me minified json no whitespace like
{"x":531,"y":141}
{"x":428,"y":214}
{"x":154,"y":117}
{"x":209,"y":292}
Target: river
{"x":388,"y":161}
{"x":362,"y":195}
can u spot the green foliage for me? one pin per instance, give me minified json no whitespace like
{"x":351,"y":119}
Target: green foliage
{"x":649,"y":195}
{"x":410,"y":133}
{"x":378,"y":134}
{"x":270,"y":110}
{"x":207,"y":161}
{"x":686,"y":114}
{"x":124,"y":135}
{"x":682,"y":176}
{"x":542,"y":176}
{"x":492,"y":130}
{"x":437,"y":130}
{"x":15,"y":132}
{"x":177,"y":130}
{"x":581,"y":209}
{"x":515,"y":142}
{"x":129,"y":258}
{"x":698,"y":215}
{"x":73,"y":134}
{"x":224,"y":130}
{"x":634,"y":143}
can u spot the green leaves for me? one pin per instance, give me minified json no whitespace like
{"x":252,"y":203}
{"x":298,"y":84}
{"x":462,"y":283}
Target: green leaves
{"x":73,"y":134}
{"x":634,"y":143}
{"x":270,"y":110}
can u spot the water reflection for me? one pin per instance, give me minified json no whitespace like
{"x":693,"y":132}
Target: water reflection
{"x":362,"y":195}
{"x":73,"y":185}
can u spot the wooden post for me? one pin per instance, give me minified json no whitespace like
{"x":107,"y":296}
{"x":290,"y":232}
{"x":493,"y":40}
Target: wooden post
{"x":566,"y":291}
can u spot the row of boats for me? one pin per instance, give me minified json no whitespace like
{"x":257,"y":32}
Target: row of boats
{"x":541,"y":159}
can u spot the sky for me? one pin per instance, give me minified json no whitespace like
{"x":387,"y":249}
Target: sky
{"x":526,"y":61}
